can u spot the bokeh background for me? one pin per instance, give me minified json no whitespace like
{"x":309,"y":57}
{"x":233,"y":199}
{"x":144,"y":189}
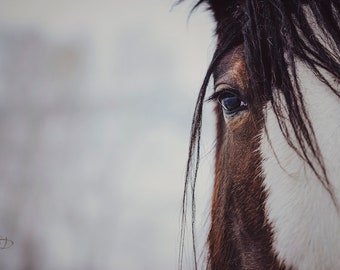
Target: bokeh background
{"x":96,"y":100}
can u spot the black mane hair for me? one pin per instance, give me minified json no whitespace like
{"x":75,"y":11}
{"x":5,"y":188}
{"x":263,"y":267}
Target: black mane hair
{"x":275,"y":34}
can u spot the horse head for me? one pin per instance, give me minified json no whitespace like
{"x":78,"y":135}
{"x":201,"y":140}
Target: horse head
{"x":276,"y":76}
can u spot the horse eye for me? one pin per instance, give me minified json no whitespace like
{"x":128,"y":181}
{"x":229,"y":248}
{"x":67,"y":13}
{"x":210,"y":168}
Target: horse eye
{"x":231,"y":103}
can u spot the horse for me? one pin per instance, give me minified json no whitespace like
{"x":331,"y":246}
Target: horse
{"x":276,"y":191}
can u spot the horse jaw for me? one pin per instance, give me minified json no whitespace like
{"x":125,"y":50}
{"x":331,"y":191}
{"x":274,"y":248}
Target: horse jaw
{"x":303,"y":216}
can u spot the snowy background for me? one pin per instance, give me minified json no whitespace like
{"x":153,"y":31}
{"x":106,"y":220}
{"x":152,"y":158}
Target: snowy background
{"x":96,"y":100}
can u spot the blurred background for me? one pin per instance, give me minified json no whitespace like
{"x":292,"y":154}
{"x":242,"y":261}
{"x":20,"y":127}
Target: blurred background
{"x":96,"y":100}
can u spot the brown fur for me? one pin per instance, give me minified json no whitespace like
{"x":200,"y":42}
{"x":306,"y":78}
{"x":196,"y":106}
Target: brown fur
{"x":240,"y":236}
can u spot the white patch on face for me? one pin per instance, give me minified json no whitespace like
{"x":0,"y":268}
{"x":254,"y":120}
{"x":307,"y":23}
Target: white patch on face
{"x":305,"y":221}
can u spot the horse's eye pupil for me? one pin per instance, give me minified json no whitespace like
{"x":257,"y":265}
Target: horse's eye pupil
{"x":231,"y":103}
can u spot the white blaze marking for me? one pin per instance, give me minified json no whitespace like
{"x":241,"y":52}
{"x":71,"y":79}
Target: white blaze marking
{"x":306,"y":224}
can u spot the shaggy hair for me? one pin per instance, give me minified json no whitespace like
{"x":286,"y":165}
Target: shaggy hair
{"x":275,"y":34}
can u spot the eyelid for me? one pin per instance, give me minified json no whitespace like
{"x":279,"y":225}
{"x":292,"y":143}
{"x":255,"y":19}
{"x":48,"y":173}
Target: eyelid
{"x":223,"y":86}
{"x":224,"y":89}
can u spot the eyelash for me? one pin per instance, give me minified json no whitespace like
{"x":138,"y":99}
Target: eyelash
{"x":218,"y":95}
